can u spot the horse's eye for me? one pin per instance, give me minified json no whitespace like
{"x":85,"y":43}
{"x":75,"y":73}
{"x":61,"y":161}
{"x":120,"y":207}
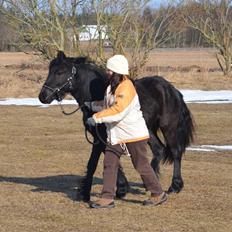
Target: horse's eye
{"x":60,"y":73}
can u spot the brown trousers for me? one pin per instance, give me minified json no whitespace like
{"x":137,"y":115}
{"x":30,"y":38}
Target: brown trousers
{"x":140,"y":162}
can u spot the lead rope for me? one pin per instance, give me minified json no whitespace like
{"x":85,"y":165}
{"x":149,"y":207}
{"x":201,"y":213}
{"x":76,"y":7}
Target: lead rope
{"x":122,"y":145}
{"x":125,"y":149}
{"x":69,"y":113}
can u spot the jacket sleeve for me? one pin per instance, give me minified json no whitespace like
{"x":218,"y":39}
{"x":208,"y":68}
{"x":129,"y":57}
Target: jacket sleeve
{"x":124,"y":96}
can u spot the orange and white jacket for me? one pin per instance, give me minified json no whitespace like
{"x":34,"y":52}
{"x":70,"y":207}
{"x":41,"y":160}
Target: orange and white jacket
{"x":122,"y":115}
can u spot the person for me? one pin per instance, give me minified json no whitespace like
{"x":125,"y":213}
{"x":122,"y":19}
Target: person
{"x":126,"y":133}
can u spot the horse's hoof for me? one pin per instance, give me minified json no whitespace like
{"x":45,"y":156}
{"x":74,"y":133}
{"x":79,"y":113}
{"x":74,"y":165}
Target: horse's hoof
{"x":172,"y":190}
{"x":176,"y":187}
{"x":122,"y":191}
{"x":120,"y":195}
{"x":82,"y":197}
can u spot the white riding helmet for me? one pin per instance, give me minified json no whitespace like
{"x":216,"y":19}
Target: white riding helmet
{"x":118,"y":64}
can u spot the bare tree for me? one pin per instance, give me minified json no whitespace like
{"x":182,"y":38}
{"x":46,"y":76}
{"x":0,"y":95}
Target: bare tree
{"x":1,"y":3}
{"x":131,"y":32}
{"x":43,"y":24}
{"x":130,"y":27}
{"x":213,"y":19}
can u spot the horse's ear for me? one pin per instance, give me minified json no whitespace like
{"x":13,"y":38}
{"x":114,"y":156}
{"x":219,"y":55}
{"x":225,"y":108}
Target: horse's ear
{"x":61,"y":55}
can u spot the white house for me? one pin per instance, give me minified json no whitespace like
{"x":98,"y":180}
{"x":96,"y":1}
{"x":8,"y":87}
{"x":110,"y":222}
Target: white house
{"x":92,"y":32}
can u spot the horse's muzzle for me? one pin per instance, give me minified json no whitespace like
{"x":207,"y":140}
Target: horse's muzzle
{"x":44,"y":97}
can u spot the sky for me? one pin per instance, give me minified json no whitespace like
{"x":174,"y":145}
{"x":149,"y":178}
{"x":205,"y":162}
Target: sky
{"x":157,"y":3}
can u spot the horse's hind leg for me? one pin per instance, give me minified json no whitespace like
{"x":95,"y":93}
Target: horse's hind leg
{"x":157,"y":149}
{"x":177,"y":181}
{"x":83,"y":193}
{"x":173,"y":154}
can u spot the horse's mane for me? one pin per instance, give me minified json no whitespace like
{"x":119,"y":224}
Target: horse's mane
{"x":90,"y":65}
{"x":83,"y":62}
{"x":74,"y":60}
{"x":80,"y":59}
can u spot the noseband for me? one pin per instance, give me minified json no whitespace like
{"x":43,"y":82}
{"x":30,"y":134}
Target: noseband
{"x":56,"y":91}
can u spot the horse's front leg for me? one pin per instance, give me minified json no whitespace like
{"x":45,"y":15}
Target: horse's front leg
{"x":157,"y":149}
{"x":84,"y":189}
{"x":83,"y":193}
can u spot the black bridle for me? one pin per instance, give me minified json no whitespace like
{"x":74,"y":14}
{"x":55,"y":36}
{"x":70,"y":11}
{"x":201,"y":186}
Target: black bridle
{"x":56,"y":91}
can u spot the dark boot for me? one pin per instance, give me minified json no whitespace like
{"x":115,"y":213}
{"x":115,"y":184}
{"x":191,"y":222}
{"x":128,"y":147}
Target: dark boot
{"x":102,"y":203}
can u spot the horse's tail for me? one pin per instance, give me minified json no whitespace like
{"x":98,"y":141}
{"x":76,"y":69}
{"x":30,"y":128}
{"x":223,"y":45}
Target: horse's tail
{"x":184,"y":132}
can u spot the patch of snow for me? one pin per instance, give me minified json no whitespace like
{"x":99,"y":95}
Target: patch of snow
{"x":198,"y":149}
{"x":210,"y":148}
{"x":209,"y":97}
{"x":190,"y":96}
{"x":32,"y":102}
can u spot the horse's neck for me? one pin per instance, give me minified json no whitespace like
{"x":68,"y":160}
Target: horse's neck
{"x":90,"y":90}
{"x":79,"y":96}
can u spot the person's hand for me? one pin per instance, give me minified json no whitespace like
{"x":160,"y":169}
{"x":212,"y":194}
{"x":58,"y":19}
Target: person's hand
{"x":90,"y":122}
{"x":88,"y":105}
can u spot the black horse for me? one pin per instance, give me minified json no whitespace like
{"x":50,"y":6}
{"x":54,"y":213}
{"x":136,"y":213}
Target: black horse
{"x":162,"y":104}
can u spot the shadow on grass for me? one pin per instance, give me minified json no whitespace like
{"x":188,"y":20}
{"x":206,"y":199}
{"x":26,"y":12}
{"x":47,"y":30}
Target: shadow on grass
{"x":67,"y":184}
{"x":132,"y":201}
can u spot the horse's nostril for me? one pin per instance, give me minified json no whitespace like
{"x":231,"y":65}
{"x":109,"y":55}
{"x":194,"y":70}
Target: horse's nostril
{"x":42,"y":98}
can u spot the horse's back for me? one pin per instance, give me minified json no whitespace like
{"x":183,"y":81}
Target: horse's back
{"x":156,"y":86}
{"x":158,"y":98}
{"x":163,"y":107}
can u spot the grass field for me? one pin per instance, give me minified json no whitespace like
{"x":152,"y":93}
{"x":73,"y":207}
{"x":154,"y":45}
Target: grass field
{"x":44,"y":155}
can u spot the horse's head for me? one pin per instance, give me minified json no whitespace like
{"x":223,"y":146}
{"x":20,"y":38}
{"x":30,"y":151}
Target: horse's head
{"x":60,"y":79}
{"x":82,"y":79}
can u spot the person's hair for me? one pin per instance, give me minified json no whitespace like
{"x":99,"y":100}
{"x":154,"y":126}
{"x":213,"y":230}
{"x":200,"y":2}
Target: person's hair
{"x":115,"y":80}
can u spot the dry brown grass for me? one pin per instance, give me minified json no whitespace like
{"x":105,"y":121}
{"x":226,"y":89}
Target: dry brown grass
{"x":188,"y":69}
{"x":22,"y":75}
{"x":44,"y":155}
